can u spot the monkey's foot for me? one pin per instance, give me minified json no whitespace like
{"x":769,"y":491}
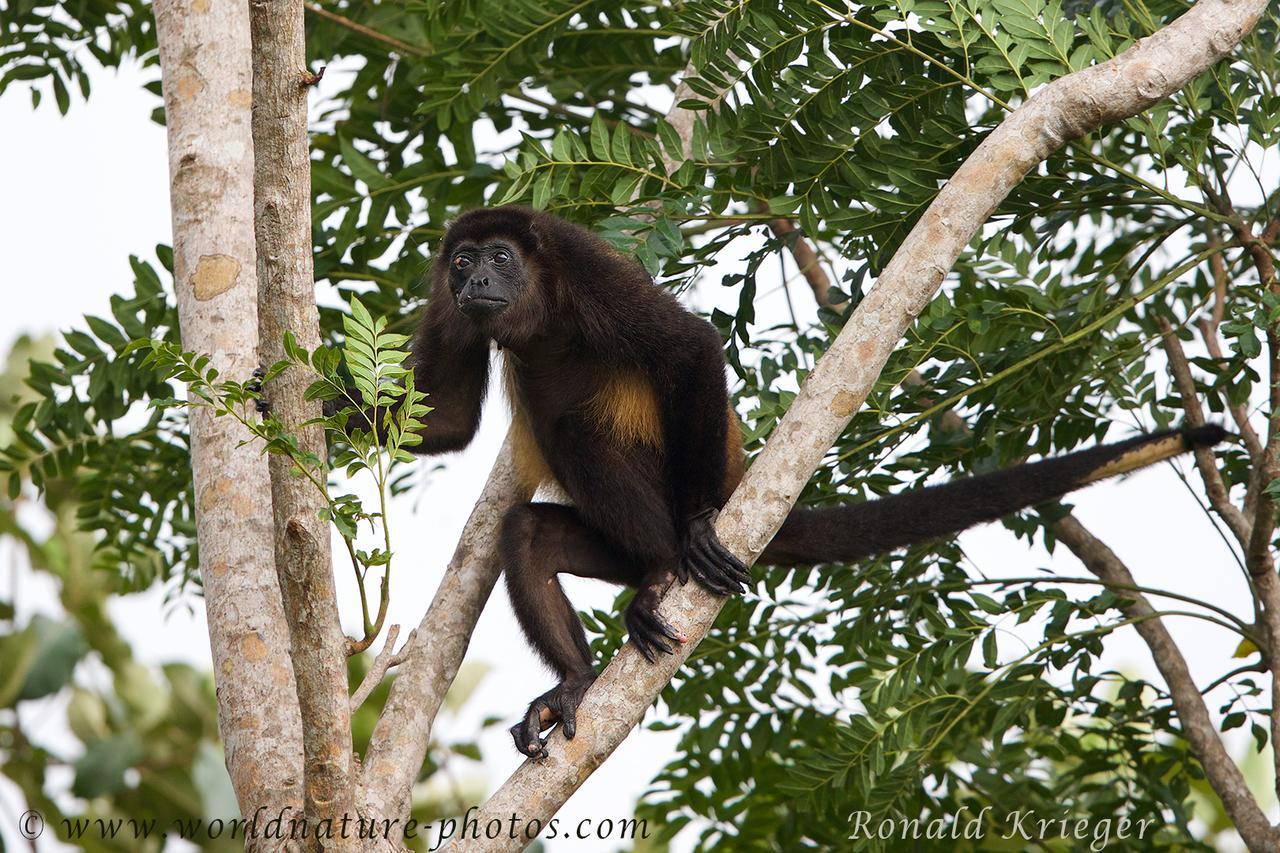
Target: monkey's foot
{"x":649,"y":631}
{"x":261,"y":403}
{"x":557,"y":705}
{"x":708,"y":561}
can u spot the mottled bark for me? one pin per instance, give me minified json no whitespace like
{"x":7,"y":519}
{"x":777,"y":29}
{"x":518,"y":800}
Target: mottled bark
{"x":1063,"y":110}
{"x":204,"y":65}
{"x":287,"y":303}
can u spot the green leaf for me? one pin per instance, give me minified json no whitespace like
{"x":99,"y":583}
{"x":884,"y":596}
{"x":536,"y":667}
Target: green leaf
{"x":59,"y":646}
{"x":599,"y":137}
{"x":360,"y":165}
{"x":100,"y":771}
{"x":990,"y":650}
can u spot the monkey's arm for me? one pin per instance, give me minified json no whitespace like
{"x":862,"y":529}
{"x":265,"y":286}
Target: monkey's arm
{"x":695,"y":423}
{"x":450,"y":363}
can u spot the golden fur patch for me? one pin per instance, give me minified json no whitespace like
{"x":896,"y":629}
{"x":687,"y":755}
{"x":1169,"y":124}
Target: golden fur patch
{"x":531,"y":466}
{"x":735,"y":459}
{"x":626,"y":407}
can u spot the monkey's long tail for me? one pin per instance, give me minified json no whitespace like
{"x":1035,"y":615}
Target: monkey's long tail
{"x":846,"y":533}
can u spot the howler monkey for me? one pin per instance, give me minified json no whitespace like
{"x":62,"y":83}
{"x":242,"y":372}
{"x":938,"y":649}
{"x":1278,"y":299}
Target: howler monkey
{"x":619,"y":395}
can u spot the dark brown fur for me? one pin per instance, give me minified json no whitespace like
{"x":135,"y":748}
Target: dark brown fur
{"x":619,"y":396}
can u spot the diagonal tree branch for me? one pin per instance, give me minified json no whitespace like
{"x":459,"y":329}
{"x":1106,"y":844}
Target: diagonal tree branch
{"x":287,"y":303}
{"x":204,"y":65}
{"x":386,"y":659}
{"x":1214,"y":486}
{"x":1258,"y":553}
{"x":807,"y":259}
{"x":432,"y":655}
{"x":1197,"y":725}
{"x":1239,"y":413}
{"x":1063,"y":110}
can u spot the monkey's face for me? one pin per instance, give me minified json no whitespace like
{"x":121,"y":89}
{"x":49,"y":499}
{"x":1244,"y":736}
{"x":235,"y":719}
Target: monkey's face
{"x":486,"y":278}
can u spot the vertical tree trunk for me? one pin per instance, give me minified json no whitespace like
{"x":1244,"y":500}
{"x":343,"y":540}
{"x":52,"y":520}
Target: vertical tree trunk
{"x":286,"y":302}
{"x":204,"y":61}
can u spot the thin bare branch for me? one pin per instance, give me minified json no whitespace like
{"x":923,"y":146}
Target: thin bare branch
{"x":1258,"y":554}
{"x":1218,"y":265}
{"x":386,"y":659}
{"x":1239,"y":414}
{"x":807,"y":259}
{"x":1223,"y":774}
{"x":1214,"y":486}
{"x":401,"y":47}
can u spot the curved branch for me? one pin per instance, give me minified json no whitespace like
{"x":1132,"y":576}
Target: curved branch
{"x":1198,"y":727}
{"x":434,"y":651}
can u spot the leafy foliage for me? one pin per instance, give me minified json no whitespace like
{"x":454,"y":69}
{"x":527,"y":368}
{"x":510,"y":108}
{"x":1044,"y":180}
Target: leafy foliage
{"x":885,"y":687}
{"x":43,"y":44}
{"x":89,"y":421}
{"x":381,"y":411}
{"x":143,"y":741}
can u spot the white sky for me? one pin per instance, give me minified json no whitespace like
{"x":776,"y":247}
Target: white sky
{"x":85,"y":191}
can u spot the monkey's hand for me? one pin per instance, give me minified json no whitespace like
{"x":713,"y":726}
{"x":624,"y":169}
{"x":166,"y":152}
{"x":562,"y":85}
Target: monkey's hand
{"x":557,"y":705}
{"x":329,"y":408}
{"x":707,"y":560}
{"x":357,"y":418}
{"x":261,"y":402}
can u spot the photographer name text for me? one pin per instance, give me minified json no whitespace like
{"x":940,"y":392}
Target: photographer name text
{"x":1024,"y":825}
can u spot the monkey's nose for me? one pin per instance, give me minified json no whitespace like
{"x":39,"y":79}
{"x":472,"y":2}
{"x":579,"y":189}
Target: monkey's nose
{"x":479,"y":281}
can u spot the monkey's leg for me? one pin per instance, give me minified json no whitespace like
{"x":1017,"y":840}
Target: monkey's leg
{"x":620,"y":492}
{"x":539,"y":541}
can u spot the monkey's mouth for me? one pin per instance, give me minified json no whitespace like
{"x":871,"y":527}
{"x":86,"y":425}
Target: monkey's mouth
{"x":481,"y":306}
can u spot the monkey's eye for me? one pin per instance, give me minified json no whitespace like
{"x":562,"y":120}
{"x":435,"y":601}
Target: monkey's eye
{"x":461,"y":262}
{"x":501,"y":257}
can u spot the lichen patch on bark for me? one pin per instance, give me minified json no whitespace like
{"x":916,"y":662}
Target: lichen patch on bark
{"x":189,"y":84}
{"x":214,"y":275}
{"x":214,"y":493}
{"x":844,"y":404}
{"x":252,"y":647}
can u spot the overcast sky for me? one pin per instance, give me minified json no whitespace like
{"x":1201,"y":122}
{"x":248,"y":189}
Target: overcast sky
{"x":85,"y":191}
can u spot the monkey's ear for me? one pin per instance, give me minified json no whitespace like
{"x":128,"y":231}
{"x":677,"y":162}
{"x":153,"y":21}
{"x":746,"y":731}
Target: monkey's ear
{"x":540,"y":234}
